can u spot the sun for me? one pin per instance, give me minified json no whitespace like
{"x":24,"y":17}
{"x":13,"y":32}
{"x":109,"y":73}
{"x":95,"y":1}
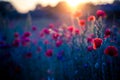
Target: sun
{"x":74,"y":3}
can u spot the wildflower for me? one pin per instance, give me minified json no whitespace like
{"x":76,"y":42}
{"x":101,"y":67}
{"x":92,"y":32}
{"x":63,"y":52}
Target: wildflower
{"x":97,"y":42}
{"x":16,"y":34}
{"x":58,"y":43}
{"x":51,"y":25}
{"x":34,"y":28}
{"x":25,"y":41}
{"x":91,"y":18}
{"x":82,"y":23}
{"x":70,"y":28}
{"x":77,"y":31}
{"x":46,"y":31}
{"x":46,"y":42}
{"x":111,"y":50}
{"x":90,"y":48}
{"x":26,"y":34}
{"x":16,"y":42}
{"x":49,"y":53}
{"x":55,"y":36}
{"x":89,"y":40}
{"x":41,"y":34}
{"x":100,"y":13}
{"x":107,"y":33}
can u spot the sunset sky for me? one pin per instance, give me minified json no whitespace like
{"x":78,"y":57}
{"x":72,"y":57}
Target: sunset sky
{"x":24,"y":6}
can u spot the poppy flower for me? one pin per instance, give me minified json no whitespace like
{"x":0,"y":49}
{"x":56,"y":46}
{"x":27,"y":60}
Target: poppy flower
{"x":77,"y":31}
{"x":41,"y":34}
{"x":97,"y":42}
{"x":46,"y":42}
{"x":16,"y":42}
{"x":100,"y":13}
{"x":58,"y":43}
{"x":82,"y":22}
{"x":107,"y":33}
{"x":51,"y":25}
{"x":16,"y":34}
{"x":49,"y":53}
{"x":91,"y":18}
{"x":89,"y":48}
{"x":77,"y":14}
{"x":34,"y":28}
{"x":111,"y":50}
{"x":55,"y":36}
{"x":70,"y":28}
{"x":46,"y":31}
{"x":89,"y":40}
{"x":25,"y":41}
{"x":26,"y":34}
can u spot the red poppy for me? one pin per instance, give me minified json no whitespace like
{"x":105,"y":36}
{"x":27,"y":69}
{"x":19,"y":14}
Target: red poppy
{"x":82,"y":22}
{"x":41,"y":34}
{"x":16,"y":34}
{"x":49,"y":53}
{"x":91,"y":18}
{"x":97,"y":42}
{"x":77,"y":31}
{"x":77,"y":14}
{"x":25,"y":41}
{"x":111,"y":50}
{"x":89,"y":48}
{"x":55,"y":36}
{"x":70,"y":28}
{"x":26,"y":34}
{"x":100,"y":13}
{"x":16,"y":42}
{"x":46,"y":42}
{"x":107,"y":33}
{"x":58,"y":43}
{"x":51,"y":25}
{"x":34,"y":28}
{"x":89,"y":40}
{"x":46,"y":31}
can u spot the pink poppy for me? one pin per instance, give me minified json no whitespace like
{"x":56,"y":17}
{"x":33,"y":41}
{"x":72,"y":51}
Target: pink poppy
{"x":89,"y":48}
{"x":55,"y":36}
{"x":58,"y":43}
{"x":100,"y":13}
{"x":49,"y":53}
{"x":77,"y":31}
{"x":16,"y":34}
{"x":34,"y":28}
{"x":70,"y":28}
{"x":107,"y":33}
{"x":26,"y":34}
